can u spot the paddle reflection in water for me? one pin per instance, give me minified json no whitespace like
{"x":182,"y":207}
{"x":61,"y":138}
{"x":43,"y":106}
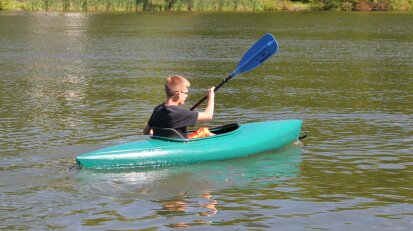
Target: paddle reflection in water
{"x":182,"y":193}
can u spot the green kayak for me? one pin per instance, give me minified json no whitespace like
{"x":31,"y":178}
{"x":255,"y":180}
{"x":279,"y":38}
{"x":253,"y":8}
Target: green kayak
{"x":230,"y":141}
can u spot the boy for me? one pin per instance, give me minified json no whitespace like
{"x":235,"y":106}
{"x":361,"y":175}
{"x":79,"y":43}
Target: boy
{"x":169,"y":115}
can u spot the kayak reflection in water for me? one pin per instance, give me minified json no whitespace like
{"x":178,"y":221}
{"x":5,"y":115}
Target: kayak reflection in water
{"x":169,"y":115}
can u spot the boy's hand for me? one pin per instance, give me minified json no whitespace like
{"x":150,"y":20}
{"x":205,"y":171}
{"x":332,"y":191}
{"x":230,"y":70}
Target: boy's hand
{"x":210,"y":94}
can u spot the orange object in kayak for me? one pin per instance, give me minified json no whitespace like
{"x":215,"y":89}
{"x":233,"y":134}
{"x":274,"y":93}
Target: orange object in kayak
{"x":200,"y":133}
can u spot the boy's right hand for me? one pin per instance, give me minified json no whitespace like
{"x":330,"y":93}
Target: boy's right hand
{"x":210,"y":94}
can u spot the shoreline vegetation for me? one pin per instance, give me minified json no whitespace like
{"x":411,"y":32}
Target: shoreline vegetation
{"x":206,"y":5}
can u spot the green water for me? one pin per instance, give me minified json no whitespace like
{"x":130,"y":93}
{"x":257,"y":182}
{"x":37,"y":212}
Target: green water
{"x":73,"y":82}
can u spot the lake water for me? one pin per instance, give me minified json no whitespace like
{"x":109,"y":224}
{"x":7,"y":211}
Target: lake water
{"x":75,"y":82}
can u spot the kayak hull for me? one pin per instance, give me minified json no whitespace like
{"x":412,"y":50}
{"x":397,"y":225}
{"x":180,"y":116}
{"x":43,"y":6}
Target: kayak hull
{"x":247,"y":139}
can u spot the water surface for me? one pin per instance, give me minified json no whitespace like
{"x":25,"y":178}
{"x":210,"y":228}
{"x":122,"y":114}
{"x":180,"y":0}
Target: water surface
{"x":75,"y":82}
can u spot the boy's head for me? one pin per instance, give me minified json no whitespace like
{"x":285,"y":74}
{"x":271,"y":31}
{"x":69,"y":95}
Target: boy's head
{"x":176,"y":84}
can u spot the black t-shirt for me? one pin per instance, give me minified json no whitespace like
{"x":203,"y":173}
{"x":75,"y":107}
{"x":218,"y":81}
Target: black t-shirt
{"x":172,"y":117}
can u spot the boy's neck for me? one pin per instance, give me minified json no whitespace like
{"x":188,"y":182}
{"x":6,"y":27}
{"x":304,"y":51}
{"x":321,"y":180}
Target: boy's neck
{"x":171,"y":102}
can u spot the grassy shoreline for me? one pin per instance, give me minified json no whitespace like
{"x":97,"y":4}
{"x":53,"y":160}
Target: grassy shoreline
{"x":206,"y":5}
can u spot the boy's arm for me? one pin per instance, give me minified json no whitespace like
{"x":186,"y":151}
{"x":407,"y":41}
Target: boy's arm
{"x":208,"y":113}
{"x":147,"y":130}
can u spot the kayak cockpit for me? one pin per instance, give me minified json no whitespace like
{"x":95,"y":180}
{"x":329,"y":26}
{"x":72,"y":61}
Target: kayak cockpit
{"x":170,"y":134}
{"x":225,"y":128}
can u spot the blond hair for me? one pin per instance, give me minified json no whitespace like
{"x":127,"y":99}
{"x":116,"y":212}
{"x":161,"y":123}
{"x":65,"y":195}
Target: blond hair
{"x":175,"y":83}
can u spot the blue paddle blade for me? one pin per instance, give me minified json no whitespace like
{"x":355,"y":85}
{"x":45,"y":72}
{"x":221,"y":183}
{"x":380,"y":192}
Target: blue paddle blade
{"x":257,"y":54}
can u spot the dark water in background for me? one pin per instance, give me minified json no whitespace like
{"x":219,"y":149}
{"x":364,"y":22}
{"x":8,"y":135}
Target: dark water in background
{"x":74,"y":82}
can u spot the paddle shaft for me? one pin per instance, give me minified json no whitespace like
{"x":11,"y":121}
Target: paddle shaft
{"x":215,"y":90}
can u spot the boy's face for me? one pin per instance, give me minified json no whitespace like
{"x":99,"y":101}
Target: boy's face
{"x":183,"y":94}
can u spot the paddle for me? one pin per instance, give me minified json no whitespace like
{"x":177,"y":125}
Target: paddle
{"x":264,"y":48}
